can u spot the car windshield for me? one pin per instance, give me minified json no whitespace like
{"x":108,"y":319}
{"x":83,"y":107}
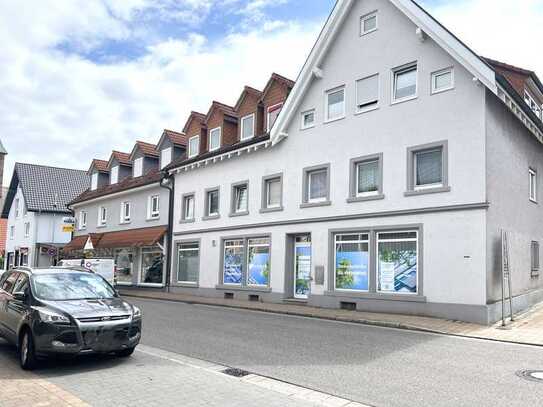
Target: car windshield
{"x":71,"y":286}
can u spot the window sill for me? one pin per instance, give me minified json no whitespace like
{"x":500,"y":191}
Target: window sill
{"x":268,"y":210}
{"x":125,"y":223}
{"x":212,"y":217}
{"x":370,"y":109}
{"x":533,"y":201}
{"x":534,"y":274}
{"x":407,"y":99}
{"x":307,"y":128}
{"x":243,"y":288}
{"x":377,"y":296}
{"x":427,"y":191}
{"x":186,"y":285}
{"x":355,"y":199}
{"x":334,"y":120}
{"x":236,"y":214}
{"x":152,"y":219}
{"x":101,"y":226}
{"x":315,"y":204}
{"x":183,"y":221}
{"x":438,"y":91}
{"x":154,"y":285}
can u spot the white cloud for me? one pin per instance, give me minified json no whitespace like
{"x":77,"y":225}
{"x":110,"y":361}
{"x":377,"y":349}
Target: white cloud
{"x":61,"y":109}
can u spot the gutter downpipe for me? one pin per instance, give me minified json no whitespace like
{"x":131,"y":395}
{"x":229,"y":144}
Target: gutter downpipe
{"x":168,"y":182}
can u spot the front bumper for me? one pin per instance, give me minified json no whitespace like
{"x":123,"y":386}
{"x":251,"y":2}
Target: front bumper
{"x":95,"y":337}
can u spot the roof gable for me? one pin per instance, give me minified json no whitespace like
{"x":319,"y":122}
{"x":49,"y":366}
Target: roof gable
{"x":276,"y":78}
{"x":221,"y":107}
{"x":177,"y":139}
{"x":200,"y":117}
{"x":45,"y":189}
{"x":247,"y":91}
{"x":426,"y":24}
{"x":146,"y":149}
{"x":99,"y":166}
{"x":120,"y":158}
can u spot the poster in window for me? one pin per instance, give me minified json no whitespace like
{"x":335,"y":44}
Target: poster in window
{"x":233,"y":259}
{"x":259,"y":265}
{"x":352,"y":267}
{"x":399,"y":258}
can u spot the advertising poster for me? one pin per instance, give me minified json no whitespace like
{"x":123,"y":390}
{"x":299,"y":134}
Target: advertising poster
{"x":386,"y":276}
{"x":232,"y":266}
{"x":351,"y":269}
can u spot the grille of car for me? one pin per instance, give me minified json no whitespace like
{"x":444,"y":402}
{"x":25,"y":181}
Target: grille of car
{"x":104,"y":318}
{"x":68,"y":337}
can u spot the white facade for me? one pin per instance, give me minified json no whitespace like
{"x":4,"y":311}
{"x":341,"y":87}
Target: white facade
{"x":28,"y":231}
{"x":450,"y":220}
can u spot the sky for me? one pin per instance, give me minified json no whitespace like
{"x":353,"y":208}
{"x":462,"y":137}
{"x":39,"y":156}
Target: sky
{"x":79,"y":78}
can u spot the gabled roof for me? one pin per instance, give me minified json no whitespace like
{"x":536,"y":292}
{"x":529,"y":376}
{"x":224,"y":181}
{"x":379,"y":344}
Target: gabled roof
{"x":126,"y":184}
{"x":177,"y":139}
{"x":193,"y":115}
{"x":229,"y":110}
{"x":504,"y":68}
{"x":45,"y":189}
{"x":122,"y":158}
{"x":247,"y":91}
{"x":100,"y":165}
{"x":275,"y":77}
{"x":422,"y":19}
{"x":147,"y":149}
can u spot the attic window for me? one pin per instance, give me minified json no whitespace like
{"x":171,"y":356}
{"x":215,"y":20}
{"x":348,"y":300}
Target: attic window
{"x":530,"y":101}
{"x":115,"y":175}
{"x":94,"y":181}
{"x":248,"y":127}
{"x":165,"y":157}
{"x":215,"y":139}
{"x":368,"y":23}
{"x":194,"y":146}
{"x":138,"y":167}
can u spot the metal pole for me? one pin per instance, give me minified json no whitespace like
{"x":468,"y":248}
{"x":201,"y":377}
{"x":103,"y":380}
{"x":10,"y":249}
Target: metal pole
{"x":503,"y":278}
{"x":510,"y":296}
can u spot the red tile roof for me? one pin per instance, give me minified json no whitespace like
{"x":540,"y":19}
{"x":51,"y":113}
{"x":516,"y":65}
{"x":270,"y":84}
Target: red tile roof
{"x":126,"y":184}
{"x":193,"y":115}
{"x":179,"y":139}
{"x":147,"y":149}
{"x":246,"y":91}
{"x":132,"y":238}
{"x":100,"y":165}
{"x":122,"y":158}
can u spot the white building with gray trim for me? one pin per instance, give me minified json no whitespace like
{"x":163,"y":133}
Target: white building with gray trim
{"x":384,"y":184}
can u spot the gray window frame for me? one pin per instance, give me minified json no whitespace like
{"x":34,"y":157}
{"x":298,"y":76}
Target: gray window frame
{"x":207,"y":215}
{"x":233,"y":190}
{"x":532,"y":172}
{"x":264,"y":193}
{"x":353,"y":187}
{"x":411,"y":151}
{"x":183,"y":207}
{"x":373,"y":293}
{"x":244,"y":286}
{"x":534,"y":258}
{"x":179,"y":243}
{"x":305,"y":186}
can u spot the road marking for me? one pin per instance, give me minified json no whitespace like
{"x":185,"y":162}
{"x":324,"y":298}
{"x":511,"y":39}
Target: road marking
{"x":290,"y":390}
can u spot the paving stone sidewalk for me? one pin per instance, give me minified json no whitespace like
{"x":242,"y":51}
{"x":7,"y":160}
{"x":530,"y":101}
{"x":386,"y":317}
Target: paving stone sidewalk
{"x":151,"y":377}
{"x":527,"y":328}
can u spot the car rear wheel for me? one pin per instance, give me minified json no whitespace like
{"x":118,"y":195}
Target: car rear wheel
{"x":27,"y":354}
{"x":126,"y":352}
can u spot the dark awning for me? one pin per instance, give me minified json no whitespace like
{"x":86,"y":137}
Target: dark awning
{"x":132,"y":238}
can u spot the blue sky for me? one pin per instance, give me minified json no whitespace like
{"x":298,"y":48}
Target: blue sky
{"x":81,"y":78}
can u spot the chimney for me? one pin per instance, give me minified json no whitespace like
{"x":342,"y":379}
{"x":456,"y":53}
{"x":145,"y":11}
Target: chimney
{"x":3,"y":153}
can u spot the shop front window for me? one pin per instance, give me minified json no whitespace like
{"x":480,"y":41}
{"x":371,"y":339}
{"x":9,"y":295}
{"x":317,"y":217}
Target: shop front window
{"x":397,"y":262}
{"x":352,"y":262}
{"x":188,"y":262}
{"x":124,"y":262}
{"x":258,"y":262}
{"x":233,"y":261}
{"x":151,"y":266}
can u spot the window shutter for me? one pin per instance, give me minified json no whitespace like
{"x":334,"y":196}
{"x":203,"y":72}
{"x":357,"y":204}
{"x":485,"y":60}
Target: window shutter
{"x":429,"y":167}
{"x":367,"y":91}
{"x":368,"y":177}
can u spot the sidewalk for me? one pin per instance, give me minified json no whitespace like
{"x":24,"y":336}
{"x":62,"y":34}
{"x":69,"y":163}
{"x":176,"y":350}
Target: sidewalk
{"x":527,"y":329}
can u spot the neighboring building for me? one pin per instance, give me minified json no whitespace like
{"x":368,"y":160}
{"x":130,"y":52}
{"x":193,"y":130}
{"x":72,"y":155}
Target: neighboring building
{"x":383,"y":184}
{"x":3,"y":193}
{"x":124,"y":214}
{"x":36,"y":211}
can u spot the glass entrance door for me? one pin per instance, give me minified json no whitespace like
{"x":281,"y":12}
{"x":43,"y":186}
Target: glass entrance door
{"x":302,"y":266}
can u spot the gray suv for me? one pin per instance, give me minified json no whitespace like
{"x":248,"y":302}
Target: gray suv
{"x":65,"y":311}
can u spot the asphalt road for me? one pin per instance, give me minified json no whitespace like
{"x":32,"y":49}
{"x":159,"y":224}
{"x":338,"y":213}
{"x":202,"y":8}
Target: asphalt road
{"x":377,"y":366}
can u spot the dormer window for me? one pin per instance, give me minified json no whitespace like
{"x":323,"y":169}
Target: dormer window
{"x":273,"y":114}
{"x":530,"y":101}
{"x":138,"y":167}
{"x":94,"y":181}
{"x":194,"y":146}
{"x":248,"y":127}
{"x":165,"y":157}
{"x":114,"y":175}
{"x":215,"y":139}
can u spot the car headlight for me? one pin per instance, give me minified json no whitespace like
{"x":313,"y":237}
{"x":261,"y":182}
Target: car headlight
{"x":136,"y":313}
{"x":52,"y":317}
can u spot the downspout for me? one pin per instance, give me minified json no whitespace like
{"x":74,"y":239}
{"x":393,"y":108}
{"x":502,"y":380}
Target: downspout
{"x":168,"y":182}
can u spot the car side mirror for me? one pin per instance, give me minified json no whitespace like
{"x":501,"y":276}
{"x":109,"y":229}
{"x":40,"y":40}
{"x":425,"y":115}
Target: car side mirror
{"x":19,"y":296}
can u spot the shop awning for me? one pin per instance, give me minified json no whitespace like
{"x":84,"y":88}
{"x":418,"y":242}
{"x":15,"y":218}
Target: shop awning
{"x":132,"y":238}
{"x":77,"y":243}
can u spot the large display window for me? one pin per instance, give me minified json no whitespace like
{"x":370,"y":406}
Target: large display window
{"x":352,"y":262}
{"x":152,"y":261}
{"x":397,"y":262}
{"x":188,"y":262}
{"x":124,"y":263}
{"x":246,"y":262}
{"x":258,"y":262}
{"x":233,"y":261}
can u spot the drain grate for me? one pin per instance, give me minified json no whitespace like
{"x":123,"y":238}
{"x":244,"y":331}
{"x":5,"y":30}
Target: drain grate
{"x":533,"y":375}
{"x":235,"y":372}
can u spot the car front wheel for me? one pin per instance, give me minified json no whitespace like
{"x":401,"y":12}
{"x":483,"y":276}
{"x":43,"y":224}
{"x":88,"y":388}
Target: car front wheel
{"x":27,"y":354}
